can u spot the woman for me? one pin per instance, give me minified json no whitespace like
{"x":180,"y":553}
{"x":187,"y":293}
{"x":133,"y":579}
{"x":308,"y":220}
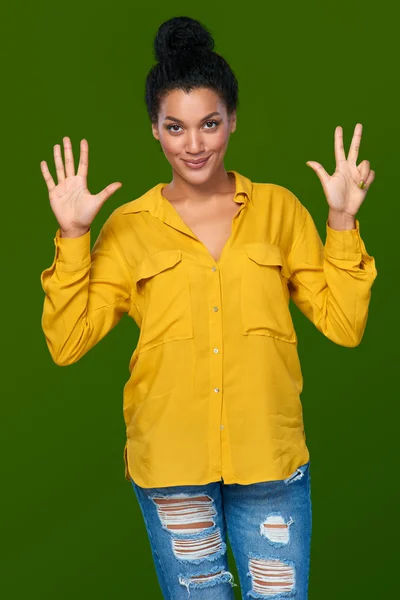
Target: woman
{"x":206,"y":265}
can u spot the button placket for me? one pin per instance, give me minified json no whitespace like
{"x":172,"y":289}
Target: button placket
{"x":216,"y":365}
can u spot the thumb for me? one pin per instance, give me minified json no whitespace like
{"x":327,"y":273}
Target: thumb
{"x":319,"y":170}
{"x":108,"y":191}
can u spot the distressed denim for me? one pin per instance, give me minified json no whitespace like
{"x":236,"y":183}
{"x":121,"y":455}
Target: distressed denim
{"x":269,"y":529}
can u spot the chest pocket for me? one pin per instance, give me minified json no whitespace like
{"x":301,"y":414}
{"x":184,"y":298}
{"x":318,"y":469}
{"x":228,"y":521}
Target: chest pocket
{"x":264,"y":293}
{"x":162,"y":280}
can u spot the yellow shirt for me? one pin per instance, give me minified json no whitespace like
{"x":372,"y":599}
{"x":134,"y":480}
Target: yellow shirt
{"x":215,"y":379}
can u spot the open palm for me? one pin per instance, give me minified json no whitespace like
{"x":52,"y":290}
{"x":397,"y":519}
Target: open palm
{"x":73,"y":205}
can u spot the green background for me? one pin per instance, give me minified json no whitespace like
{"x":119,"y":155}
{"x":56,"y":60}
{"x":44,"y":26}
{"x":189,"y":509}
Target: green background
{"x":70,"y":523}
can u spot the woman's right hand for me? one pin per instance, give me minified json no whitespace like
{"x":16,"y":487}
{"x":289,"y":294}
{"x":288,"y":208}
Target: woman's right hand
{"x":73,"y":205}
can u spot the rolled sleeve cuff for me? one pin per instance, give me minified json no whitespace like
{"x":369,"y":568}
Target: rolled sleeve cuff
{"x":72,"y":254}
{"x":344,"y":244}
{"x":346,"y":249}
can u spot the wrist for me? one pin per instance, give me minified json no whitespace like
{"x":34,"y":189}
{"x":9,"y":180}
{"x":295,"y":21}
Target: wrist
{"x":73,"y":233}
{"x":340,"y":220}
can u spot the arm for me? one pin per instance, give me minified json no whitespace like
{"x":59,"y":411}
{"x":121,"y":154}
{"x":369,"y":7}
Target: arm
{"x":86,"y":293}
{"x":331,"y":284}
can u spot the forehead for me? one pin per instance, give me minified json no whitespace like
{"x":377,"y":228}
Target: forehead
{"x":190,"y":105}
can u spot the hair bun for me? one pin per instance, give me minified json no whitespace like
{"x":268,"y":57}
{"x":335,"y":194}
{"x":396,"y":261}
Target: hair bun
{"x":180,"y":35}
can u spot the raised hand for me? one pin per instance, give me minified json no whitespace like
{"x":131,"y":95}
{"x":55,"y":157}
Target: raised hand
{"x":346,"y":189}
{"x":73,"y":205}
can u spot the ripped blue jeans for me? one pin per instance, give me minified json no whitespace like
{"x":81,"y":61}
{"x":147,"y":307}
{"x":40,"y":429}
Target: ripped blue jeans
{"x":269,"y":530}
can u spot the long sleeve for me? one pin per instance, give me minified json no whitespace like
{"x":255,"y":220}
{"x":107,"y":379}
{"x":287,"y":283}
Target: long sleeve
{"x":331,"y":284}
{"x":86,"y":293}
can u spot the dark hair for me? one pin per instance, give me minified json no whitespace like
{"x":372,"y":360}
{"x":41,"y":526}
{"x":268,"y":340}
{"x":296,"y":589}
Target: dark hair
{"x":183,"y":48}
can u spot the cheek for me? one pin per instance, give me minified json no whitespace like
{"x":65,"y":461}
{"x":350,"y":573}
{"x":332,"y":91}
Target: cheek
{"x":171,"y":145}
{"x":218,"y":141}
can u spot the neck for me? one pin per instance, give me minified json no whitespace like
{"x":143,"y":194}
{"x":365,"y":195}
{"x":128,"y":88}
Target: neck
{"x":181,"y":190}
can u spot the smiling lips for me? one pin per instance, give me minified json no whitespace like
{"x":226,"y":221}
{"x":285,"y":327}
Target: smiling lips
{"x":197,"y":164}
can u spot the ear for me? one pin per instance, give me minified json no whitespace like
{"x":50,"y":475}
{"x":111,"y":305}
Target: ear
{"x":154,"y":129}
{"x":233,"y":122}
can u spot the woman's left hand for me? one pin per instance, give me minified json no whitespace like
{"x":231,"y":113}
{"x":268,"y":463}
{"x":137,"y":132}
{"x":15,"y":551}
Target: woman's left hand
{"x":342,"y":189}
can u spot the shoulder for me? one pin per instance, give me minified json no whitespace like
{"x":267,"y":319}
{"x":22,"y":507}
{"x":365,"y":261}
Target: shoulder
{"x":280,"y":195}
{"x":123,"y":225}
{"x":145,"y":202}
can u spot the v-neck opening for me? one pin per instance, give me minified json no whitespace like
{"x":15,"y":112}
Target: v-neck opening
{"x":177,"y":215}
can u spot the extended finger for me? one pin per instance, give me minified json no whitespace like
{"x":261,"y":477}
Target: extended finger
{"x":339,"y":150}
{"x":47,"y":176}
{"x":69,"y":158}
{"x":59,"y":163}
{"x":108,"y":191}
{"x":83,"y":159}
{"x":355,"y":144}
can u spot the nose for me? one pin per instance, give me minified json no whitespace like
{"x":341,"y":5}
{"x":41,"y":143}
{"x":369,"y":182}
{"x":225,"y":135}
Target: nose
{"x":194,"y":144}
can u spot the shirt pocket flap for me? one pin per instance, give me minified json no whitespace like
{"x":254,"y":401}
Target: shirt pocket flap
{"x":267,"y":254}
{"x":162,"y":281}
{"x":156,"y":263}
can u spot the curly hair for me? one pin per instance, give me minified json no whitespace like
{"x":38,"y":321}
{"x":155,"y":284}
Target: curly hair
{"x":183,"y":48}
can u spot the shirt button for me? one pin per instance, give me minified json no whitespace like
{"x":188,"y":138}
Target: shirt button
{"x":214,"y":268}
{"x":216,"y":390}
{"x":222,"y":426}
{"x":215,"y":308}
{"x":216,"y":350}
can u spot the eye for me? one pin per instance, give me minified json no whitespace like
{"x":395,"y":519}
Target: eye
{"x":169,"y":127}
{"x":216,"y":123}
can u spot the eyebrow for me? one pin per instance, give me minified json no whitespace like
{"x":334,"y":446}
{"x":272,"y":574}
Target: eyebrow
{"x":203,"y":119}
